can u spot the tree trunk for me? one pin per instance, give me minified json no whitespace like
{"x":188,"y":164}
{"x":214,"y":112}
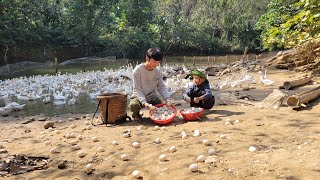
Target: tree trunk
{"x":5,"y":58}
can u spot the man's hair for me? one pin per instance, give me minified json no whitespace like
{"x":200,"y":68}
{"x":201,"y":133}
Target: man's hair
{"x":154,"y":54}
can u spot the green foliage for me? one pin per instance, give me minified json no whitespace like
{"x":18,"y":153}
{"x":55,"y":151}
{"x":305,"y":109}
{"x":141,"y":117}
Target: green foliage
{"x":127,"y":28}
{"x":289,"y":23}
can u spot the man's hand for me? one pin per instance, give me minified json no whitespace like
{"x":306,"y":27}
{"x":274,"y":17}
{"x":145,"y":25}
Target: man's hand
{"x":149,"y":106}
{"x":168,"y":101}
{"x":187,"y":99}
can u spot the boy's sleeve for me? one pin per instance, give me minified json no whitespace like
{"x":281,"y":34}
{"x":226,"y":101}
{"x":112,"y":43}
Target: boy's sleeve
{"x":207,"y":89}
{"x":188,"y":92}
{"x":137,"y":86}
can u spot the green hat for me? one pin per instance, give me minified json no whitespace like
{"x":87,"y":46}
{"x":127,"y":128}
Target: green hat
{"x":198,"y":73}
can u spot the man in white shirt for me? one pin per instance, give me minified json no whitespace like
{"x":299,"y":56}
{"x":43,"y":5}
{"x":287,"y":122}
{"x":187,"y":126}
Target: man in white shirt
{"x":147,"y":79}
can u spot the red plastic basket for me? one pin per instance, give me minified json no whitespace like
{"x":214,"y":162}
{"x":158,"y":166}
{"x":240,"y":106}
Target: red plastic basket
{"x":191,"y":116}
{"x":165,"y":121}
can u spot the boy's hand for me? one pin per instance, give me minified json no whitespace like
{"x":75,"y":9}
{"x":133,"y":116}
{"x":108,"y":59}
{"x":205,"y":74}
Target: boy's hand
{"x":196,"y":100}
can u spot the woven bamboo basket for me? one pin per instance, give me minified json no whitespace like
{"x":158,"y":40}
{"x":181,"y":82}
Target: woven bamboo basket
{"x":113,"y":107}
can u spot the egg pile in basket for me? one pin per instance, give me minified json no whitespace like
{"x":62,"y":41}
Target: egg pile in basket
{"x":192,"y":114}
{"x":163,"y":114}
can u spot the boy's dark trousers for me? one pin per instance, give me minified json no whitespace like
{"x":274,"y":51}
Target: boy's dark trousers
{"x":206,"y":104}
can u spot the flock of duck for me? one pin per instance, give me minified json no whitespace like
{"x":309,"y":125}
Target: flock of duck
{"x":63,"y":89}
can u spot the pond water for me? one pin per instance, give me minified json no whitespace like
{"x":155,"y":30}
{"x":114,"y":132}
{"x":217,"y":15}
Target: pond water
{"x":84,"y":105}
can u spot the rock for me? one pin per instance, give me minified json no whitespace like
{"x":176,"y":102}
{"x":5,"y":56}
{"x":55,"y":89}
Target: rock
{"x":3,"y":151}
{"x":28,"y":121}
{"x":211,"y":71}
{"x":42,"y":119}
{"x":235,"y":69}
{"x":245,"y":88}
{"x":251,"y":67}
{"x":48,"y":124}
{"x":212,"y":159}
{"x":62,"y":165}
{"x":226,"y":71}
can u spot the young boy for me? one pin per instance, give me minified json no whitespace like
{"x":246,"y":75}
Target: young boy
{"x":199,"y":94}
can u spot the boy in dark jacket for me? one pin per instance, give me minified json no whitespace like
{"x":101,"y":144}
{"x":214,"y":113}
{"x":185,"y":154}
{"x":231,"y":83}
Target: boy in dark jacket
{"x":199,"y":94}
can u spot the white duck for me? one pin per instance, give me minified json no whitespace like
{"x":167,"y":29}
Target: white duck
{"x":47,"y":99}
{"x":4,"y":111}
{"x":72,"y":101}
{"x":14,"y":106}
{"x":263,"y":78}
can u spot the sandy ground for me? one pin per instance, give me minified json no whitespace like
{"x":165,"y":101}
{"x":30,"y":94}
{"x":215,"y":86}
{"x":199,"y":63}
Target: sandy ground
{"x":287,"y":143}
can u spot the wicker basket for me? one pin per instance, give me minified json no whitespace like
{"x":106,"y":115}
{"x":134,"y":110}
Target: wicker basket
{"x":113,"y":107}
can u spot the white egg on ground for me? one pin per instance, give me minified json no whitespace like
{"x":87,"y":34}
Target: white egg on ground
{"x":54,"y":150}
{"x":124,"y":157}
{"x":183,"y":133}
{"x":173,"y":149}
{"x":201,"y":158}
{"x":72,"y":135}
{"x":184,"y":136}
{"x":136,"y":174}
{"x":163,"y":157}
{"x":194,"y":167}
{"x":197,"y":131}
{"x":43,"y":136}
{"x":212,"y":152}
{"x":228,"y":119}
{"x":87,"y":123}
{"x":90,"y":167}
{"x":57,"y":131}
{"x":237,"y":121}
{"x":80,"y":137}
{"x":47,"y":143}
{"x":197,"y":134}
{"x":67,"y":136}
{"x":135,"y":144}
{"x":75,"y":147}
{"x":206,"y":142}
{"x":73,"y":126}
{"x":81,"y":154}
{"x":114,"y":143}
{"x":163,"y":128}
{"x":126,"y":135}
{"x":100,"y":149}
{"x":252,"y":149}
{"x":223,"y":136}
{"x":157,"y":141}
{"x":74,"y":142}
{"x":227,"y":123}
{"x":94,"y":139}
{"x":156,"y":128}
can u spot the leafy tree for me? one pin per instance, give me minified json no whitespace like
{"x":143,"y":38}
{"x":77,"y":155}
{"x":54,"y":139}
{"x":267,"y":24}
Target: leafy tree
{"x":289,"y":23}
